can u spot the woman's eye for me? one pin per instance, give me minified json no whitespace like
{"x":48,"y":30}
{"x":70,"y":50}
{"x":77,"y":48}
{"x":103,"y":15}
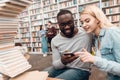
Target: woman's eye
{"x":87,"y":21}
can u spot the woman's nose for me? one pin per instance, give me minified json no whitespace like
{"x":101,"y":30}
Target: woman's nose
{"x":83,"y":25}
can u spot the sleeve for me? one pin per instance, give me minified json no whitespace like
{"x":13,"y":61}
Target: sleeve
{"x":89,"y":44}
{"x":108,"y":66}
{"x":56,"y":57}
{"x":87,"y":41}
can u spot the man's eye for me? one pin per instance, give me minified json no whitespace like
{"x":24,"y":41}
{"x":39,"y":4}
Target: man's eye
{"x":70,"y":22}
{"x":61,"y":24}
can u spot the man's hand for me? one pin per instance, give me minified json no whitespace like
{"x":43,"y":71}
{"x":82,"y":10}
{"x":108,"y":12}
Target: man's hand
{"x":67,"y":58}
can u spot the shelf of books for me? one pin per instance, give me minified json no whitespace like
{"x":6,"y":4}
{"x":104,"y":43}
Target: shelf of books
{"x":36,"y":18}
{"x":41,"y":11}
{"x":112,"y":9}
{"x":24,"y":29}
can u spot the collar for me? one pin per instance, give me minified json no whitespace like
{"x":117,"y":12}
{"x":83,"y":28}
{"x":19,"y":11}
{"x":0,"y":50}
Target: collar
{"x":102,"y":32}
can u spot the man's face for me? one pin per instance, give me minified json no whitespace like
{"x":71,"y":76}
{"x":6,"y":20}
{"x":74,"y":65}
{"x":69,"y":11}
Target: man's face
{"x":66,"y":24}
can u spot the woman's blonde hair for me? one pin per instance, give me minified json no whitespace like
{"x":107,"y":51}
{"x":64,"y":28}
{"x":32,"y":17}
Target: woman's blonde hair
{"x":98,"y":14}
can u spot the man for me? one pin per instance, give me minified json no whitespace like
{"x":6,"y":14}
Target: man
{"x":70,"y":39}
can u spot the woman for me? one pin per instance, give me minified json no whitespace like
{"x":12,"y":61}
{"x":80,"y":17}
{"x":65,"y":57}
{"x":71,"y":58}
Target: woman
{"x":107,"y":42}
{"x":43,"y":41}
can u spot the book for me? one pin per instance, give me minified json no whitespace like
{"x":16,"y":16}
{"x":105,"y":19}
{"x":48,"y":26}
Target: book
{"x":6,"y":45}
{"x":12,"y":62}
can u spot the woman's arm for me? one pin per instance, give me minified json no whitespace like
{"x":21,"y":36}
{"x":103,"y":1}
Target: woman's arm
{"x":107,"y":65}
{"x":101,"y":63}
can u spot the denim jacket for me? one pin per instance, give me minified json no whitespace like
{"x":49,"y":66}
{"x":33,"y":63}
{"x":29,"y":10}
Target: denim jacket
{"x":110,"y":52}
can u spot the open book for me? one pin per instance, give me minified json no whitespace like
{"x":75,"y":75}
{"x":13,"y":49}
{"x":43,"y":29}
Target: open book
{"x":12,"y":62}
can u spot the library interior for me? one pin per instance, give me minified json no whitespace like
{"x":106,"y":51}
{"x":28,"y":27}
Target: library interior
{"x":25,"y":26}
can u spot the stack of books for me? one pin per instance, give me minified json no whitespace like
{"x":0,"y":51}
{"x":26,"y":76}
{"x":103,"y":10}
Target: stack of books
{"x":9,"y":10}
{"x":8,"y":30}
{"x":12,"y":61}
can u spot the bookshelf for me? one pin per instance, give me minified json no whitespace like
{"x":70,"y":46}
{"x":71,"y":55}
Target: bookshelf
{"x":112,"y":9}
{"x":41,"y":11}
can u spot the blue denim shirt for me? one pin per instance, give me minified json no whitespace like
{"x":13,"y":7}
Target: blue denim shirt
{"x":110,"y":52}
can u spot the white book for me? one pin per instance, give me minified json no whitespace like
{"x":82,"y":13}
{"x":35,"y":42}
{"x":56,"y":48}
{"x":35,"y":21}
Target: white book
{"x":12,"y":62}
{"x":5,"y":45}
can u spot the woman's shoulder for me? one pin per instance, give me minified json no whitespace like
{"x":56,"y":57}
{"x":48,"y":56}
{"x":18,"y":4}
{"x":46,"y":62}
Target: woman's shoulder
{"x":110,"y":29}
{"x":114,"y":28}
{"x":113,"y":31}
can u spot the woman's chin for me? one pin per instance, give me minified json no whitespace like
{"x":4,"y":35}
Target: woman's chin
{"x":87,"y":31}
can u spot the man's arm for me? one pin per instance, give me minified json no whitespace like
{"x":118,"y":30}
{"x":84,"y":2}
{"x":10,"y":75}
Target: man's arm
{"x":56,"y":57}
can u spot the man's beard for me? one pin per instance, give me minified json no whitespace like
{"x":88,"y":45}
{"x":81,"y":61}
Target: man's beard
{"x":69,"y":35}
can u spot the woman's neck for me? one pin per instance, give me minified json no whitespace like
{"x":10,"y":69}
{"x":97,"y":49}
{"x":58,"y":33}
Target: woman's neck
{"x":97,"y":31}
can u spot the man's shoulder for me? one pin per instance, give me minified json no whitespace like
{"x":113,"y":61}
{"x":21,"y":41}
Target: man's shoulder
{"x":81,"y":31}
{"x":57,"y":37}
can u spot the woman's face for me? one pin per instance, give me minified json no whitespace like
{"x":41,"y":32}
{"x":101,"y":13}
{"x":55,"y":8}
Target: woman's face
{"x":89,"y":23}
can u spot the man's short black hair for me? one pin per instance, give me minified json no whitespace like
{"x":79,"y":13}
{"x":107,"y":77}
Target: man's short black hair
{"x":63,"y":11}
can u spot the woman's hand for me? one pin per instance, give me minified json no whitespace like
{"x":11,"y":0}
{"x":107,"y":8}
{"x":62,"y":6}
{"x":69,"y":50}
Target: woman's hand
{"x":85,"y":56}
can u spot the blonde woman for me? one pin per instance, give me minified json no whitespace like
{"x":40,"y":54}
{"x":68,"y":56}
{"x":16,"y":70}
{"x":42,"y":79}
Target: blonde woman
{"x":107,"y":42}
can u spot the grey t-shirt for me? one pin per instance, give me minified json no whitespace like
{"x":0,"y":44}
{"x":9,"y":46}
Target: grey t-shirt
{"x":60,"y":44}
